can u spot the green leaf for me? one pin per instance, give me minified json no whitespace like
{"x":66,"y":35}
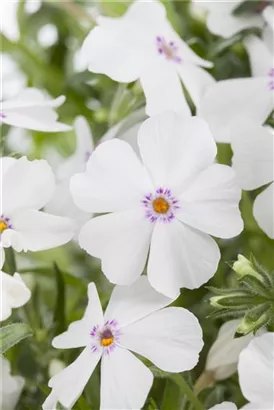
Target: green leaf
{"x":249,"y":7}
{"x":59,"y":406}
{"x":12,"y":334}
{"x":59,"y":314}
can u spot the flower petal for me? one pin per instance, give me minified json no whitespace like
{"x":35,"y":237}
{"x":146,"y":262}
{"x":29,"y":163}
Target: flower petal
{"x":196,"y":80}
{"x":68,"y":385}
{"x":40,"y":231}
{"x":180,"y":257}
{"x":14,"y":294}
{"x":163,"y":89}
{"x":121,"y":240}
{"x":131,"y":303}
{"x":225,"y":406}
{"x":253,"y":158}
{"x":171,"y":338}
{"x":175,"y":149}
{"x":230,"y":100}
{"x":255,"y":369}
{"x":125,"y":381}
{"x":263,"y":210}
{"x":78,"y":333}
{"x":114,"y":180}
{"x":261,"y":60}
{"x":211,"y":203}
{"x":27,"y":184}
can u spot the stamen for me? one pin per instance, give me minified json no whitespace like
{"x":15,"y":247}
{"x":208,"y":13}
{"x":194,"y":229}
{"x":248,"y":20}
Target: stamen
{"x":107,"y":338}
{"x":168,"y":49}
{"x":160,"y":205}
{"x":4,"y":224}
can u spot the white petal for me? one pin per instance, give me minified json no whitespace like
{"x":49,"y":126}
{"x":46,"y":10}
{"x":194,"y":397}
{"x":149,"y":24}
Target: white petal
{"x":256,"y":369}
{"x":121,"y":240}
{"x":258,"y":406}
{"x":41,"y":231}
{"x":196,"y":80}
{"x":211,"y":203}
{"x":268,"y":14}
{"x":69,"y":384}
{"x":175,"y":149}
{"x":253,"y":160}
{"x":27,"y":184}
{"x":78,"y":333}
{"x":261,"y":60}
{"x":180,"y":257}
{"x":224,"y":354}
{"x":225,"y":406}
{"x":114,"y":180}
{"x":171,"y":338}
{"x":11,"y":386}
{"x":230,"y":100}
{"x":6,"y":162}
{"x":14,"y":294}
{"x":131,"y":303}
{"x":163,"y":89}
{"x":32,"y":97}
{"x":263,"y":210}
{"x":125,"y":381}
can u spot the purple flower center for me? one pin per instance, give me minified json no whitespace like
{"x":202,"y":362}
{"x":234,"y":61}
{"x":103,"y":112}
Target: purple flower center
{"x":106,"y":336}
{"x":4,"y":224}
{"x":160,"y":206}
{"x":2,"y":115}
{"x":271,"y":76}
{"x":168,"y":49}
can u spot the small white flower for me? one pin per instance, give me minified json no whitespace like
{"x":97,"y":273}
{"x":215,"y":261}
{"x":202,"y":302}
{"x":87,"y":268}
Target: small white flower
{"x":227,"y":102}
{"x":169,"y":204}
{"x":222,"y":358}
{"x":253,"y":162}
{"x":142,"y":45}
{"x":32,"y":110}
{"x":224,"y":406}
{"x":222,"y":21}
{"x":10,"y":387}
{"x":135,"y":320}
{"x":256,"y":373}
{"x":26,"y":187}
{"x":14,"y":294}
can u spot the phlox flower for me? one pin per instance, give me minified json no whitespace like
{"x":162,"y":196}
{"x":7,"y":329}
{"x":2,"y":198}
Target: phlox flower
{"x":256,"y":373}
{"x":136,"y":320}
{"x":223,"y":356}
{"x":32,"y":110}
{"x":253,"y":162}
{"x":14,"y":294}
{"x":166,"y":205}
{"x":222,"y":21}
{"x":141,"y":44}
{"x":26,"y":186}
{"x":10,"y":387}
{"x":228,"y":101}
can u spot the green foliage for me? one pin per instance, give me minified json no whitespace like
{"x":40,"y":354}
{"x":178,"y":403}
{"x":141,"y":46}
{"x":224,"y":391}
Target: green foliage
{"x":12,"y":334}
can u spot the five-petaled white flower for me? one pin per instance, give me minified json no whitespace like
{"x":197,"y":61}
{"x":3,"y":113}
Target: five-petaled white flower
{"x":32,"y":110}
{"x":26,"y":186}
{"x":166,"y":206}
{"x":14,"y":293}
{"x":256,"y":373}
{"x":228,"y":101}
{"x":142,"y":45}
{"x":225,"y":18}
{"x":136,"y":320}
{"x":10,"y":387}
{"x":253,"y":161}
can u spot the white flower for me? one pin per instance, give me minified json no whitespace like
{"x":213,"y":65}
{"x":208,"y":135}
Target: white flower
{"x":228,"y":101}
{"x":142,"y":45}
{"x":13,"y":80}
{"x":222,"y":21}
{"x":256,"y":373}
{"x":224,"y":406}
{"x":26,"y":186}
{"x":253,"y":162}
{"x":32,"y":110}
{"x":61,"y":203}
{"x":135,"y":320}
{"x":14,"y":293}
{"x":10,"y":387}
{"x":170,"y":203}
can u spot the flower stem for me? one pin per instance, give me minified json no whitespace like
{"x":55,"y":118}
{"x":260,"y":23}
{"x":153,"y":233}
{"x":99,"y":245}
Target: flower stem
{"x":184,"y":387}
{"x":10,"y":260}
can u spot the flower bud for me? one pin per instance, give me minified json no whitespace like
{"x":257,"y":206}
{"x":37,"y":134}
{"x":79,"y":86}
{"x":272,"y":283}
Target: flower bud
{"x":55,"y":367}
{"x":244,"y":267}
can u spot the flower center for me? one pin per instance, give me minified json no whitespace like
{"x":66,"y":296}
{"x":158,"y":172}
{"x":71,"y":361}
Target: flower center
{"x":107,"y":338}
{"x":168,"y":49}
{"x":160,"y":206}
{"x":4,"y":224}
{"x":271,"y":76}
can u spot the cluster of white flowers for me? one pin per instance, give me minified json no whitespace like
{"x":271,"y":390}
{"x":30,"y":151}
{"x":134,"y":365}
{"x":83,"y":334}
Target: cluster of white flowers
{"x":161,"y":196}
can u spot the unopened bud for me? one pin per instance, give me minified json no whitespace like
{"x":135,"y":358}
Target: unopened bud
{"x":244,"y":267}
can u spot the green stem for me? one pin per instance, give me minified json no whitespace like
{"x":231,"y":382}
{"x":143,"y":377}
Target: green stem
{"x":10,"y":261}
{"x":184,"y":387}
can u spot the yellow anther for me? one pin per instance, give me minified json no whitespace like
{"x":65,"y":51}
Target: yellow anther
{"x":160,"y":205}
{"x":107,"y":341}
